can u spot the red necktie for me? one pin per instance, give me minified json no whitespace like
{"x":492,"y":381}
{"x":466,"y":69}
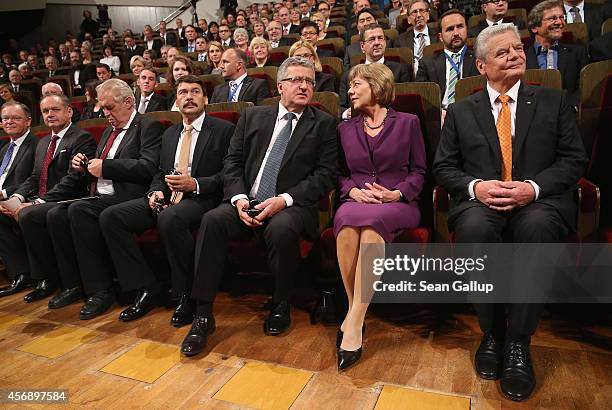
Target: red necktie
{"x":44,"y":172}
{"x":110,"y":141}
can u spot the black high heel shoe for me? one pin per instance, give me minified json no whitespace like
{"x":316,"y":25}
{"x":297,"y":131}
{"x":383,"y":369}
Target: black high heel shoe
{"x":347,"y":358}
{"x":340,"y":335}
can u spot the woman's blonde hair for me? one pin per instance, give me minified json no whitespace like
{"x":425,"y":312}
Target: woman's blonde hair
{"x":259,"y":40}
{"x":213,"y":44}
{"x":381,"y":81}
{"x":306,"y":44}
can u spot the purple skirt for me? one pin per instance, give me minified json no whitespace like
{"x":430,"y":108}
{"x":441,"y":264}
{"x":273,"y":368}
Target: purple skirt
{"x":388,"y":219}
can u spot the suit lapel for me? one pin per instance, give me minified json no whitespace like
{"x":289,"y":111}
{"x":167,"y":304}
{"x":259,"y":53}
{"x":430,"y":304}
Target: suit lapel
{"x":440,"y":69}
{"x":130,"y":133}
{"x":484,"y":117}
{"x":245,"y":85}
{"x":103,"y":140}
{"x":562,"y":53}
{"x":302,"y":128}
{"x":203,"y":137}
{"x":525,"y":109}
{"x":63,"y":142}
{"x":20,"y":153}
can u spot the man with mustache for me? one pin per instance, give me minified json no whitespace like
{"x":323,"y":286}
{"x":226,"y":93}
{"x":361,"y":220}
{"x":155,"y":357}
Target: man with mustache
{"x":495,"y":13}
{"x":546,"y":20}
{"x":174,"y":204}
{"x":510,"y":156}
{"x":454,"y":63}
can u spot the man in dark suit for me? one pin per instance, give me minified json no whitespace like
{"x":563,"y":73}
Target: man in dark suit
{"x":365,"y":18}
{"x":373,"y":44}
{"x":15,"y":78}
{"x":546,"y":21}
{"x":167,"y":37}
{"x":419,"y":35}
{"x":495,"y":13}
{"x":225,"y":35}
{"x":239,"y":86}
{"x":287,"y":26}
{"x":439,"y":69}
{"x":190,"y":35}
{"x":125,"y":161}
{"x":51,"y":64}
{"x":50,"y":181}
{"x":275,"y":35}
{"x":17,"y":162}
{"x":510,"y":156}
{"x":600,"y":49}
{"x":148,"y":100}
{"x":285,"y":157}
{"x":201,"y":142}
{"x":583,"y":12}
{"x":131,"y":49}
{"x":151,"y":43}
{"x":309,"y":31}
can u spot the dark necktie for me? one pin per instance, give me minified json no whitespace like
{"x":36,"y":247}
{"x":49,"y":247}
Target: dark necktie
{"x":7,"y":158}
{"x":110,"y":141}
{"x":576,"y":14}
{"x":44,"y":172}
{"x":267,"y":185}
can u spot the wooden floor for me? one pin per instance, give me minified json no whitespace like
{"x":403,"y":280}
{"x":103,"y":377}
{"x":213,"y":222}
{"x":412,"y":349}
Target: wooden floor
{"x":418,"y":348}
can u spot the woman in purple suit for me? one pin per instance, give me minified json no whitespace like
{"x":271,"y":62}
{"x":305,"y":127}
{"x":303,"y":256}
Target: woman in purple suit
{"x":381,"y":178}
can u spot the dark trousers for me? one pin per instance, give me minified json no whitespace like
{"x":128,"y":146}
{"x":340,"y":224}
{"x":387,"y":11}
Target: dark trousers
{"x":281,"y":234}
{"x":85,"y":258}
{"x":175,"y":223}
{"x":534,"y":223}
{"x":38,"y":240}
{"x":12,"y":248}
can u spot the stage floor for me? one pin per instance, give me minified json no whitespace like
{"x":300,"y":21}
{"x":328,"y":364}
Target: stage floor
{"x":417,"y":357}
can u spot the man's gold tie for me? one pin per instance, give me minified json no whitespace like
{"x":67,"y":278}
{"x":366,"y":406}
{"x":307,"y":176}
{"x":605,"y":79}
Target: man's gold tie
{"x":504,"y":133}
{"x":183,"y":162}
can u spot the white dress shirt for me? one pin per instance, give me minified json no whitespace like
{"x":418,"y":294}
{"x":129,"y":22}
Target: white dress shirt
{"x":280,"y":123}
{"x":105,"y":186}
{"x":17,"y":143}
{"x":496,"y":107}
{"x":240,"y":82}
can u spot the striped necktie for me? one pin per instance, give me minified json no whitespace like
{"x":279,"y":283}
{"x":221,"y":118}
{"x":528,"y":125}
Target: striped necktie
{"x":418,"y":53}
{"x":267,"y":185}
{"x":452,"y":80}
{"x":576,"y":17}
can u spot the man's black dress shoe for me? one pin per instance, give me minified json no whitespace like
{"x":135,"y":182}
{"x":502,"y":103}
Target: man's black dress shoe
{"x":195,"y":341}
{"x":184,"y":312}
{"x":144,"y":303}
{"x":488,"y":358}
{"x":279,"y":319}
{"x":66,"y":297}
{"x":97,"y":304}
{"x":517,"y":378}
{"x":21,"y":282}
{"x":347,"y":358}
{"x":44,"y":288}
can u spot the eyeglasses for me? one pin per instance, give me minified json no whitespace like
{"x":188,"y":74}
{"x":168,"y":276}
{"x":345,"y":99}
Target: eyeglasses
{"x":309,"y":33}
{"x":307,"y":55}
{"x":552,"y":19}
{"x":12,"y":118}
{"x":300,"y":80}
{"x":494,"y":1}
{"x":419,"y":11}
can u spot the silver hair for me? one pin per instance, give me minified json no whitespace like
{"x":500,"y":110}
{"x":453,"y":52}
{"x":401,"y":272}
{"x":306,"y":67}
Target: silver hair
{"x":481,"y":47}
{"x":240,"y":30}
{"x":118,"y":88}
{"x":290,"y":62}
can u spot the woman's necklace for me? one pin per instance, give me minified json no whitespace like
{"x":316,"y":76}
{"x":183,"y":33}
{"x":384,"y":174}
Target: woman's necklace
{"x":375,"y":127}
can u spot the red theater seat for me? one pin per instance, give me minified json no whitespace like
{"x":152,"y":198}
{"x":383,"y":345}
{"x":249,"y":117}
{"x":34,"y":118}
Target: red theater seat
{"x":94,"y":126}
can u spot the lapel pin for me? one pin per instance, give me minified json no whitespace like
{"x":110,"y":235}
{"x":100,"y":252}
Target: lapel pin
{"x":528,"y":102}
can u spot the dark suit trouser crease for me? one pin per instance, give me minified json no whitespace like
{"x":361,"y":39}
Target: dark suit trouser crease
{"x":175,"y":225}
{"x":535,"y":223}
{"x":93,"y":259}
{"x":281,"y":234}
{"x":12,"y":248}
{"x":33,"y":221}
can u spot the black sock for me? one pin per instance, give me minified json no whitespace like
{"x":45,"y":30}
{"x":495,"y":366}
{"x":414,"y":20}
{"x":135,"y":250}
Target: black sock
{"x":204,"y":309}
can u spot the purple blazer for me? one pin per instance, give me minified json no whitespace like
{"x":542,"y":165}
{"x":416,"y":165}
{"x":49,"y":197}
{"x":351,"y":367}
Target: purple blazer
{"x":398,"y":155}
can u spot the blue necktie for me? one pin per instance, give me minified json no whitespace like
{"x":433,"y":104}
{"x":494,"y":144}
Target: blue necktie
{"x":232,"y":92}
{"x":7,"y":158}
{"x":267,"y":185}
